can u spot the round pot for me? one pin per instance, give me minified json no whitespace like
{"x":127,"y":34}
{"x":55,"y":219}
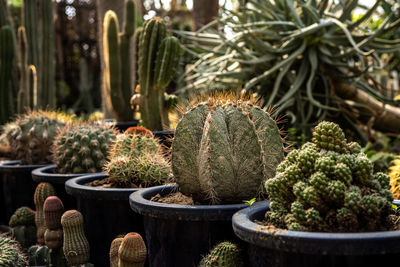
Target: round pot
{"x":179,"y":235}
{"x":295,"y":248}
{"x":123,"y":125}
{"x":47,"y":174}
{"x":18,"y":186}
{"x":165,"y":137}
{"x":106,"y":214}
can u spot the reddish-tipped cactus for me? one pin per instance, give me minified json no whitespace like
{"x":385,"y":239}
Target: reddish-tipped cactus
{"x":42,"y":192}
{"x":53,"y":209}
{"x":132,"y":251}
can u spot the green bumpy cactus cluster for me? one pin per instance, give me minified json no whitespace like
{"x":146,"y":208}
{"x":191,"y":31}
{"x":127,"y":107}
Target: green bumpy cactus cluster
{"x":11,"y":254}
{"x":224,"y":148}
{"x":23,"y":226}
{"x":329,"y":185}
{"x":224,"y":254}
{"x":138,"y":159}
{"x":82,"y":148}
{"x":42,"y":192}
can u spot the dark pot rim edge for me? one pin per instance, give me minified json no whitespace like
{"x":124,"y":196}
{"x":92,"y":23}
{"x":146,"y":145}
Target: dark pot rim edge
{"x":43,"y":175}
{"x":10,"y":165}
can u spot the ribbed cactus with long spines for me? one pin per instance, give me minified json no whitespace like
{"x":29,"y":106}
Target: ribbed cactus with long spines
{"x":224,"y":148}
{"x":76,"y":247}
{"x":11,"y":254}
{"x":132,"y":251}
{"x":82,"y":148}
{"x":329,"y":185}
{"x":223,"y":254}
{"x":23,"y":226}
{"x":42,"y":192}
{"x":115,"y":244}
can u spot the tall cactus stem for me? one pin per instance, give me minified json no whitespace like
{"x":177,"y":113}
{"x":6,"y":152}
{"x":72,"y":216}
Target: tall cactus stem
{"x":23,"y":93}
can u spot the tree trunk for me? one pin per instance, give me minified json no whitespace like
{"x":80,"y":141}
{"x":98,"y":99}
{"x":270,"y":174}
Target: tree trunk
{"x":204,"y":11}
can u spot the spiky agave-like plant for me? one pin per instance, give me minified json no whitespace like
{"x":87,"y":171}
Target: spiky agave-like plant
{"x":299,"y":55}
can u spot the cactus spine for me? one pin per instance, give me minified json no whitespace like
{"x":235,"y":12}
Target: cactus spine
{"x":132,"y":251}
{"x":42,"y":192}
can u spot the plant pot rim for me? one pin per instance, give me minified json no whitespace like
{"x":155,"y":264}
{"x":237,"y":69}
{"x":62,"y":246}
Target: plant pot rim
{"x":312,"y":242}
{"x":76,"y":188}
{"x":15,"y":166}
{"x":45,"y":174}
{"x":141,"y":204}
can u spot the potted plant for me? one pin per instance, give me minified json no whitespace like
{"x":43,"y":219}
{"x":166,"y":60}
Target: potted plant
{"x":78,"y":150}
{"x":135,"y":161}
{"x":224,"y":148}
{"x":30,"y":137}
{"x":327,"y":208}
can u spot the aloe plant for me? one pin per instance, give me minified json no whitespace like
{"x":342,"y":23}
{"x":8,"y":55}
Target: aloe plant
{"x":307,"y":57}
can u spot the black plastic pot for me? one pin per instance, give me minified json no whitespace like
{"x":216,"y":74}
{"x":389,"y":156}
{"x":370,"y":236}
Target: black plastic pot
{"x":179,"y":235}
{"x":18,"y":186}
{"x":123,"y":125}
{"x":47,"y":174}
{"x":165,"y":137}
{"x":294,"y":248}
{"x":106,"y":214}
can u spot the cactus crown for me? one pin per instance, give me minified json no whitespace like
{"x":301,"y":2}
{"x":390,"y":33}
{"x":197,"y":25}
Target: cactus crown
{"x":223,"y":254}
{"x":329,"y":185}
{"x":224,"y":148}
{"x":83,"y":148}
{"x":132,"y":250}
{"x":11,"y":253}
{"x":22,"y":216}
{"x":53,"y":209}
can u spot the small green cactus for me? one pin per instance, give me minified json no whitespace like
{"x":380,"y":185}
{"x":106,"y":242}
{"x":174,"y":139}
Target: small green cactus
{"x":22,"y":216}
{"x":42,"y":192}
{"x":82,"y":148}
{"x":11,"y":254}
{"x":132,"y":252}
{"x":337,"y":190}
{"x":23,"y":226}
{"x":223,"y":254}
{"x":39,"y":255}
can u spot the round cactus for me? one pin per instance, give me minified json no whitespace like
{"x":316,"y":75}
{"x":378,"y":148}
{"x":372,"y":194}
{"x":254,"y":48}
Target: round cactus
{"x":83,"y":148}
{"x":53,"y":209}
{"x":23,"y":226}
{"x":115,"y":244}
{"x":337,"y":190}
{"x":224,"y":147}
{"x":132,"y":251}
{"x":22,"y":216}
{"x":42,"y":192}
{"x":11,"y":254}
{"x":223,"y":254}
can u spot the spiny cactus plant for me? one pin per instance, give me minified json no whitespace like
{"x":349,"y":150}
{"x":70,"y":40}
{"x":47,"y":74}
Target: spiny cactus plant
{"x":76,"y":246}
{"x":22,"y":216}
{"x":115,"y":244}
{"x":42,"y":192}
{"x":223,"y":254}
{"x":394,"y":175}
{"x":328,"y":185}
{"x":224,"y":148}
{"x":23,"y":226}
{"x":39,"y":256}
{"x":32,"y":135}
{"x":83,"y":148}
{"x":23,"y":94}
{"x":132,"y":251}
{"x":11,"y":254}
{"x":53,"y":209}
{"x":138,"y":130}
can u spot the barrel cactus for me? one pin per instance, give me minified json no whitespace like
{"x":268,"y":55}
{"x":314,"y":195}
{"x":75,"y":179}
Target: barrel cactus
{"x":39,"y":255}
{"x":224,"y":148}
{"x":115,"y":244}
{"x":23,"y":226}
{"x":82,"y":148}
{"x":223,"y":254}
{"x":53,"y":209}
{"x":32,"y":135}
{"x":42,"y":192}
{"x":132,"y":251}
{"x":11,"y":254}
{"x":328,"y":185}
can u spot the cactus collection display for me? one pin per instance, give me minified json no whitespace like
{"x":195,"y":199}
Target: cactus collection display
{"x":223,"y":254}
{"x":224,"y":148}
{"x":11,"y":254}
{"x":83,"y":148}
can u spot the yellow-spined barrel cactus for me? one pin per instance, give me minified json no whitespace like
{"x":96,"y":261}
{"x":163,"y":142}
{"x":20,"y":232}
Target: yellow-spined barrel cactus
{"x":328,"y":185}
{"x":395,"y":177}
{"x":83,"y":148}
{"x":32,"y":135}
{"x":224,"y":148}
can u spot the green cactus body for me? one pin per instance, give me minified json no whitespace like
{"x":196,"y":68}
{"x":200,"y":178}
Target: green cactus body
{"x":22,"y":216}
{"x":23,"y":93}
{"x":11,"y":254}
{"x":223,"y":254}
{"x":132,"y":252}
{"x":136,"y":45}
{"x":39,"y":255}
{"x":42,"y":192}
{"x":115,"y":244}
{"x":224,"y":148}
{"x":6,"y":66}
{"x":76,"y":246}
{"x":23,"y":226}
{"x":82,"y":148}
{"x":167,"y":61}
{"x":30,"y":21}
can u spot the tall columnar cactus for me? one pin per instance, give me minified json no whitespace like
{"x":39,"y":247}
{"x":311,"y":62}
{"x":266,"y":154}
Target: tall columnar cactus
{"x":53,"y":209}
{"x":115,"y":244}
{"x":23,"y":93}
{"x":224,"y":148}
{"x":132,"y":251}
{"x":32,"y":136}
{"x":83,"y":148}
{"x":6,"y":66}
{"x":223,"y":254}
{"x":32,"y":86}
{"x":23,"y":226}
{"x":42,"y":192}
{"x":11,"y":254}
{"x":30,"y":22}
{"x":117,"y":55}
{"x":76,"y":246}
{"x":329,"y":185}
{"x":158,"y":59}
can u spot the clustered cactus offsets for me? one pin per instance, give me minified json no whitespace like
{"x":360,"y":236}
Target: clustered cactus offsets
{"x":328,"y":185}
{"x":224,"y":148}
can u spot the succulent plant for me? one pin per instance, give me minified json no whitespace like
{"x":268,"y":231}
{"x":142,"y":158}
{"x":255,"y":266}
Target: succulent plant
{"x":11,"y":254}
{"x":32,"y":135}
{"x":328,"y":185}
{"x":23,"y":226}
{"x":53,"y":209}
{"x":223,"y":254}
{"x":82,"y":148}
{"x":224,"y":148}
{"x":22,"y":216}
{"x":395,"y":177}
{"x":39,"y":255}
{"x":115,"y":244}
{"x":42,"y":192}
{"x":132,"y":252}
{"x":76,"y":247}
{"x":138,"y":130}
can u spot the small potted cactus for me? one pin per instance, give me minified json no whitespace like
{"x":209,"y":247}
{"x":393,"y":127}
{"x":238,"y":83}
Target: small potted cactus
{"x":135,"y":161}
{"x":77,"y":150}
{"x":224,"y":148}
{"x":11,"y":254}
{"x":327,"y":208}
{"x":30,"y":138}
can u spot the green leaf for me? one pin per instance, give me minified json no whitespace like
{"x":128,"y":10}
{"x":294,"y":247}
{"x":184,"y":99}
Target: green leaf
{"x":249,"y":202}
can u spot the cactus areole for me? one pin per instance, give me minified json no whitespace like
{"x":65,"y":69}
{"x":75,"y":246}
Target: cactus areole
{"x":224,"y":148}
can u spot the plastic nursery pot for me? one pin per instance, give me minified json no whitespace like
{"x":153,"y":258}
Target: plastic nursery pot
{"x":179,"y":235}
{"x":165,"y":137}
{"x":47,"y":174}
{"x":18,"y":186}
{"x":285,"y":248}
{"x":106,"y":214}
{"x":123,"y":125}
